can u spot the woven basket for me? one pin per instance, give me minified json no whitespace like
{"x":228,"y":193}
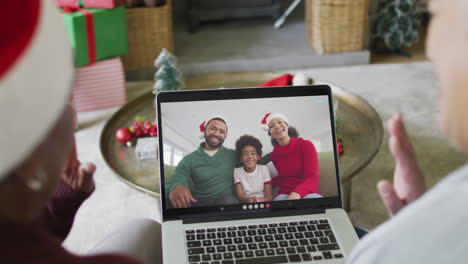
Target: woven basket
{"x":337,"y":25}
{"x":149,"y":31}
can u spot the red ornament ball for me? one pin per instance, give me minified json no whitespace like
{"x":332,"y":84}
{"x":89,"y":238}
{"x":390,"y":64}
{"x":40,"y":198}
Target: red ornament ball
{"x":123,"y":135}
{"x":340,"y":147}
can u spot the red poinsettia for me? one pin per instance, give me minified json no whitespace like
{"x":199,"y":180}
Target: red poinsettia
{"x":140,"y":128}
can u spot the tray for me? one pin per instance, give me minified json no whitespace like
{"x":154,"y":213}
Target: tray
{"x":359,"y":125}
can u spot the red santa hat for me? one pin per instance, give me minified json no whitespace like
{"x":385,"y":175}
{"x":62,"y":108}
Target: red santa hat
{"x":270,"y":116}
{"x":36,"y":72}
{"x":202,"y":126}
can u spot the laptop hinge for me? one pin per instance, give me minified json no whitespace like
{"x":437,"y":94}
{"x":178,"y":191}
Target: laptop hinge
{"x":250,"y":215}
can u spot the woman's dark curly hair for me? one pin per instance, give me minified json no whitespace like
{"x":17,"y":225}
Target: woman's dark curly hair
{"x":292,"y":132}
{"x":248,"y":140}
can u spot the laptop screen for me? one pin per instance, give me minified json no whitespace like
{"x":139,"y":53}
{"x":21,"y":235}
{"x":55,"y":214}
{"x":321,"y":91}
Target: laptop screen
{"x":235,"y":151}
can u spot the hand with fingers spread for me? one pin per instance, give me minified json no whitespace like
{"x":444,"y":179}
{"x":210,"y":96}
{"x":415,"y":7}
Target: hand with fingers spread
{"x":181,"y":197}
{"x":77,"y":175}
{"x":408,"y":180}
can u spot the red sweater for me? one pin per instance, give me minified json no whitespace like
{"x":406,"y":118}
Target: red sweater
{"x":40,"y":242}
{"x":298,"y":167}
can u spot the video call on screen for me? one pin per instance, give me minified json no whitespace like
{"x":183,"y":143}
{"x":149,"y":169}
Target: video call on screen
{"x":208,"y":165}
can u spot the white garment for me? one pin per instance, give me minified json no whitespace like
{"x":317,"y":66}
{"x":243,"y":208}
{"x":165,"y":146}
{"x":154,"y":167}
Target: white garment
{"x":432,"y":229}
{"x":253,"y":183}
{"x":210,"y":152}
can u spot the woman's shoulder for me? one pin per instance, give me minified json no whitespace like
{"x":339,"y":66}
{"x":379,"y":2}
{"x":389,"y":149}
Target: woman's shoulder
{"x":304,"y":144}
{"x":301,"y":141}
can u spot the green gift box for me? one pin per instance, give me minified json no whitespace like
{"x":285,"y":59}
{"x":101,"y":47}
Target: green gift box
{"x":96,"y":34}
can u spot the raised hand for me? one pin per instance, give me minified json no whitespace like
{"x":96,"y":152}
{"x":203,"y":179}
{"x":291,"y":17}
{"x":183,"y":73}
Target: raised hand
{"x":77,"y":175}
{"x":181,"y":197}
{"x":408,"y":181}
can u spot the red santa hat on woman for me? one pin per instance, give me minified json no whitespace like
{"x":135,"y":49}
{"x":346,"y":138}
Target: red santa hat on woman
{"x":270,"y":116}
{"x":36,"y":71}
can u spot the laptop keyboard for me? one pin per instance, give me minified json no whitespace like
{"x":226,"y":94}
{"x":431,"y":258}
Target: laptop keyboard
{"x":266,"y":243}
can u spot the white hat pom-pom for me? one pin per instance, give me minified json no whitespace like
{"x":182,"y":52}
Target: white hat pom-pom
{"x":300,"y":79}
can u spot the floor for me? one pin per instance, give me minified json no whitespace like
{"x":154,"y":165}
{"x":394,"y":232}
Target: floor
{"x":238,"y":37}
{"x":249,"y":45}
{"x":245,"y":45}
{"x":255,"y":45}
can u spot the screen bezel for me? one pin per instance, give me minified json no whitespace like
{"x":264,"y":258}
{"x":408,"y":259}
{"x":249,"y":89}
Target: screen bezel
{"x":245,"y":93}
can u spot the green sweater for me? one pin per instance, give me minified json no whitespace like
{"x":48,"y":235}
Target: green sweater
{"x":210,"y":176}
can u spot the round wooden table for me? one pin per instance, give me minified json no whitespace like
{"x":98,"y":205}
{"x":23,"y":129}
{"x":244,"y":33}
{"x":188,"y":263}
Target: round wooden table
{"x":359,"y":125}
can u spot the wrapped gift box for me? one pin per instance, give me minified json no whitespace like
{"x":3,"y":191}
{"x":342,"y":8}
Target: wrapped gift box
{"x":100,"y":85}
{"x":89,"y":3}
{"x":96,"y":34}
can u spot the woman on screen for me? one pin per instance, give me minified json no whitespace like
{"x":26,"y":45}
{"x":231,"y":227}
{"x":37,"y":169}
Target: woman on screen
{"x":294,"y":158}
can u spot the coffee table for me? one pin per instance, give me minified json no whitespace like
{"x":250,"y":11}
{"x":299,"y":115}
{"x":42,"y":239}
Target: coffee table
{"x":359,"y":125}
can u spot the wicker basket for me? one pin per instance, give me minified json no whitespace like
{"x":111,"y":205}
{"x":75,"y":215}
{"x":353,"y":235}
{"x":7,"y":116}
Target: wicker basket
{"x":337,"y":25}
{"x":149,"y":31}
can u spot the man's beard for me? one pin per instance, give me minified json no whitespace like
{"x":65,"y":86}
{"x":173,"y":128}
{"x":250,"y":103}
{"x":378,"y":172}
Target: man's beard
{"x":215,"y":146}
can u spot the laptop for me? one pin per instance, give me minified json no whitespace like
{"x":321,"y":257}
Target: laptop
{"x":220,"y":230}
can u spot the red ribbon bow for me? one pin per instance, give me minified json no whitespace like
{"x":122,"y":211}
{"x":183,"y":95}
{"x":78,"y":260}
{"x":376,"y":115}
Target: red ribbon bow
{"x":202,"y":126}
{"x":90,"y":36}
{"x":265,"y":118}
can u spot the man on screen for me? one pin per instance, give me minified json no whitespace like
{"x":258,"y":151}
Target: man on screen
{"x":204,"y":177}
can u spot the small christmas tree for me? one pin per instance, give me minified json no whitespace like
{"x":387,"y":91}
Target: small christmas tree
{"x":397,"y":23}
{"x":168,"y":77}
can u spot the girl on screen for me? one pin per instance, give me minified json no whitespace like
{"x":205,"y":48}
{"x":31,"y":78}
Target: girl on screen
{"x":294,"y":158}
{"x":252,"y":181}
